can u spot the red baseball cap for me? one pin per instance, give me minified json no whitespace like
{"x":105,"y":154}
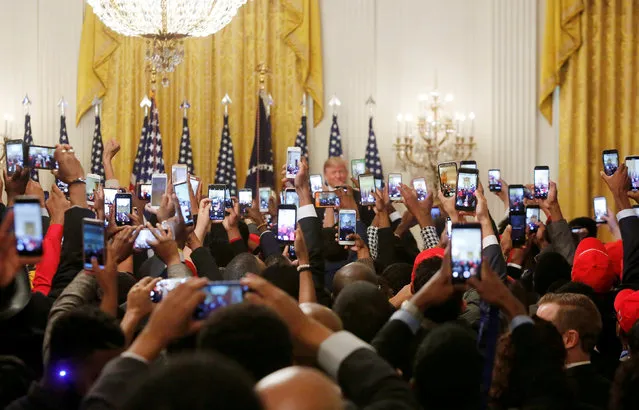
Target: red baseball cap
{"x":615,"y":253}
{"x":627,"y":308}
{"x":591,"y":266}
{"x":436,"y":252}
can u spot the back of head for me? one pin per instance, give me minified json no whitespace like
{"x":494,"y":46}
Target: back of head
{"x":252,"y":335}
{"x":591,"y":266}
{"x":242,"y":264}
{"x":299,"y":388}
{"x":450,"y":348}
{"x":397,"y":275}
{"x":363,"y":309}
{"x":426,"y":266}
{"x":333,"y":252}
{"x":200,"y":381}
{"x":323,"y":315}
{"x":551,"y":266}
{"x":218,"y":242}
{"x":285,"y":277}
{"x":350,"y":273}
{"x":624,"y":394}
{"x":586,"y":223}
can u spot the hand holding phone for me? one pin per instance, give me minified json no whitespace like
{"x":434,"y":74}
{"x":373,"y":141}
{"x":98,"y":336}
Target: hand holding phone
{"x":419,"y":184}
{"x":394,"y":181}
{"x":93,"y":242}
{"x":14,"y":150}
{"x":293,"y":161}
{"x":286,"y":223}
{"x":542,"y":182}
{"x":346,"y":226}
{"x":27,"y":226}
{"x":217,"y":197}
{"x":448,"y":178}
{"x":184,"y":199}
{"x":123,"y":208}
{"x":466,"y":199}
{"x":601,"y":209}
{"x":610,"y":159}
{"x":494,"y":180}
{"x":366,"y":189}
{"x":465,"y":251}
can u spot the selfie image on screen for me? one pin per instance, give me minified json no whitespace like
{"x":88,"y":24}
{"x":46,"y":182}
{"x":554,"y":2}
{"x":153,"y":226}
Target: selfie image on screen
{"x":466,"y":190}
{"x":465,"y":252}
{"x":316,"y":183}
{"x":493,"y":179}
{"x":328,"y":199}
{"x":420,"y":189}
{"x":158,"y":188}
{"x":145,"y":191}
{"x":448,"y":179}
{"x":217,"y":204}
{"x":28,"y":226}
{"x":611,"y":163}
{"x":42,"y":157}
{"x":516,"y":197}
{"x":542,"y":177}
{"x":532,"y":218}
{"x":366,"y":188}
{"x":293,"y":163}
{"x":122,"y":210}
{"x":346,"y":225}
{"x":600,"y":209}
{"x":393,"y":186}
{"x":633,"y":172}
{"x":93,"y":244}
{"x":15,"y":157}
{"x":182,"y":193}
{"x":217,"y":296}
{"x":286,"y":225}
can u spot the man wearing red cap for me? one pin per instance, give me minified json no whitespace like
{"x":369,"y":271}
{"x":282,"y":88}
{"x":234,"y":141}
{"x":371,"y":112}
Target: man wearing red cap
{"x":627,"y":310}
{"x":592,"y":266}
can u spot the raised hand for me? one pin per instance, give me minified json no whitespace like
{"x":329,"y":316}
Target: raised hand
{"x":16,"y":184}
{"x":111,"y":148}
{"x":138,"y":301}
{"x":69,"y":167}
{"x":34,"y":189}
{"x":164,"y":245}
{"x":254,"y":212}
{"x":448,"y":204}
{"x":618,"y":184}
{"x":57,"y":205}
{"x":493,"y":290}
{"x":121,"y":247}
{"x":300,"y":247}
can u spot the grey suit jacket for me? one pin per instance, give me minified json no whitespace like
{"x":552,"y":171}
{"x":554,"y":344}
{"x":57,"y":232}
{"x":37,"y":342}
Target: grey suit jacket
{"x":119,"y":378}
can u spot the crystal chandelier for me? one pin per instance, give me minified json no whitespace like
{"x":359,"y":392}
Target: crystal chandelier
{"x":441,"y":136}
{"x":165,"y":24}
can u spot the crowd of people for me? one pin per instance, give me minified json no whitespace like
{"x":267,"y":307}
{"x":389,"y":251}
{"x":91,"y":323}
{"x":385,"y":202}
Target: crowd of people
{"x":378,"y":324}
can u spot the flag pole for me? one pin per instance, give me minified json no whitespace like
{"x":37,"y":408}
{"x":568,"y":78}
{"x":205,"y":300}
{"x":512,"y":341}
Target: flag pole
{"x":226,"y":101}
{"x":262,"y":69}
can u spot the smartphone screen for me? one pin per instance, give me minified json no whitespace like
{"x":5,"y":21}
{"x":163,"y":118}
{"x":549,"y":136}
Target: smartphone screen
{"x":143,"y":238}
{"x":465,"y":251}
{"x":601,"y":209}
{"x":145,"y":192}
{"x":394,"y":180}
{"x":316,"y":183}
{"x":93,"y":242}
{"x":195,"y":185}
{"x":518,"y":229}
{"x":419,"y":184}
{"x":293,"y":159}
{"x":246,"y":199}
{"x":633,"y":172}
{"x":435,"y":212}
{"x":610,"y":160}
{"x":15,"y":156}
{"x":358,"y":167}
{"x":494,"y":175}
{"x":158,"y":188}
{"x":291,"y":198}
{"x":291,"y":253}
{"x":63,"y":187}
{"x":228,"y":201}
{"x":109,"y":199}
{"x":516,"y":199}
{"x":449,"y":227}
{"x":184,"y":199}
{"x":27,"y":225}
{"x":217,"y":203}
{"x":468,"y":164}
{"x":532,"y":218}
{"x":265,"y":196}
{"x":286,"y":220}
{"x":366,"y":188}
{"x":219,"y":294}
{"x":178,"y":174}
{"x":326,"y":199}
{"x":347,"y":220}
{"x":163,"y":287}
{"x":448,"y":178}
{"x":92,"y":185}
{"x":542,"y":180}
{"x":122,"y":209}
{"x":42,"y":157}
{"x":466,"y":187}
{"x":379,"y":184}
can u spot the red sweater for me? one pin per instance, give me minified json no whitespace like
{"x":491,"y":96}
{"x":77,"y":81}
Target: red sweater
{"x":46,"y":269}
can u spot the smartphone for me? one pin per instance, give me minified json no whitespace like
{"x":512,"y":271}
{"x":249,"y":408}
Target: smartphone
{"x":448,"y":178}
{"x":472,"y":164}
{"x":92,"y":185}
{"x":184,"y":199}
{"x":293,"y":161}
{"x":291,"y":198}
{"x":158,"y":188}
{"x":265,"y":196}
{"x":601,"y":209}
{"x":542,"y":181}
{"x":178,"y":173}
{"x":419,"y":184}
{"x":195,"y":184}
{"x":93,"y":242}
{"x":632,"y":163}
{"x":164,"y":286}
{"x":366,"y":188}
{"x":379,"y":184}
{"x":435,"y":212}
{"x":326,"y":199}
{"x":465,"y":251}
{"x":228,"y":201}
{"x":466,"y":199}
{"x":109,"y":199}
{"x":636,"y":208}
{"x":219,"y":294}
{"x":358,"y":167}
{"x":217,"y":196}
{"x":291,"y":253}
{"x":246,"y":200}
{"x":346,"y":226}
{"x":316,"y":183}
{"x":14,"y":150}
{"x":532,"y":217}
{"x":449,"y":227}
{"x":41,"y":157}
{"x":286,"y":223}
{"x":62,"y":187}
{"x":494,"y":175}
{"x":144,"y":192}
{"x":610,"y":158}
{"x":143,"y":238}
{"x":394,"y":180}
{"x":518,"y":229}
{"x":516,"y":199}
{"x":27,"y":226}
{"x":123,"y":207}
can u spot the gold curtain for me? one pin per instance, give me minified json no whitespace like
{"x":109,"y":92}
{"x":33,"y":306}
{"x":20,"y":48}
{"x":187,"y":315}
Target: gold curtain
{"x":284,"y":34}
{"x":598,"y":71}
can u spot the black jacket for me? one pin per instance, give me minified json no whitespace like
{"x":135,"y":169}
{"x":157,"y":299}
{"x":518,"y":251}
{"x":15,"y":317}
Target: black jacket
{"x":589,"y":387}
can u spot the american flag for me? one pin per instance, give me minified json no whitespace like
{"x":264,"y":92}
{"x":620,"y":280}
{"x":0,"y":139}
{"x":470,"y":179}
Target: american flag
{"x":301,"y":139}
{"x":153,"y":154}
{"x":64,"y":139}
{"x":260,"y":172}
{"x":139,"y":155}
{"x":225,"y":172}
{"x":28,"y":140}
{"x":186,"y":152}
{"x":97,"y":148}
{"x":335,"y":141}
{"x":373,"y":162}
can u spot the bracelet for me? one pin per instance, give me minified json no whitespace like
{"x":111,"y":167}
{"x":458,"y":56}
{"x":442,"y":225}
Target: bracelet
{"x":78,"y":181}
{"x":260,"y":226}
{"x":303,"y":268}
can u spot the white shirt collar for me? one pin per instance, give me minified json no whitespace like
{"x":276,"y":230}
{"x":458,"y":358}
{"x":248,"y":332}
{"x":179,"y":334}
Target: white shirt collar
{"x":571,"y":365}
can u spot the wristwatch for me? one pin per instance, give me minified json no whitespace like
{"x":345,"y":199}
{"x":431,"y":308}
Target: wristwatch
{"x":410,"y":307}
{"x":78,"y":181}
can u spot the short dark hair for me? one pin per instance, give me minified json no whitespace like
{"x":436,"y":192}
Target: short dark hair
{"x":450,"y":309}
{"x":218,"y":243}
{"x":363,"y":308}
{"x":240,"y":265}
{"x":551,"y":266}
{"x":585,"y":222}
{"x":285,"y":277}
{"x":252,"y":335}
{"x":198,"y":381}
{"x":333,"y":252}
{"x":425,"y":271}
{"x":397,"y":275}
{"x":78,"y":333}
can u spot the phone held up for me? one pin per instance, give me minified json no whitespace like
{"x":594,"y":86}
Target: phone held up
{"x":494,"y":183}
{"x":264,"y":198}
{"x":217,"y":194}
{"x":394,"y":181}
{"x":466,"y":199}
{"x":14,"y":150}
{"x":93,"y":242}
{"x":293,"y":161}
{"x":601,"y":209}
{"x":419,"y":185}
{"x":542,"y":181}
{"x":27,"y":226}
{"x":465,"y":251}
{"x":366,"y":189}
{"x":286,"y":223}
{"x":346,"y":226}
{"x":517,"y":214}
{"x":610,"y":159}
{"x":184,"y":200}
{"x":123,"y":208}
{"x":448,"y":178}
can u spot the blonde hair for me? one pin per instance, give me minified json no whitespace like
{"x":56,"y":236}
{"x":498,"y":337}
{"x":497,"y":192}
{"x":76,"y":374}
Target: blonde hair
{"x":335,"y":162}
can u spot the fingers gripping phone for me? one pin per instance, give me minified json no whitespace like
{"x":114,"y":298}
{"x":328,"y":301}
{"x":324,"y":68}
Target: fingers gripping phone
{"x":14,"y":150}
{"x":143,"y":239}
{"x":144,"y":192}
{"x":494,"y":184}
{"x":366,"y":189}
{"x":41,"y":157}
{"x":465,"y":251}
{"x":93,"y":242}
{"x":542,"y":181}
{"x":158,"y":188}
{"x":184,"y":199}
{"x":466,"y":199}
{"x":448,"y":178}
{"x":601,"y":209}
{"x":394,"y":181}
{"x":419,"y":184}
{"x":217,"y":197}
{"x":346,"y":226}
{"x":123,"y":208}
{"x":610,"y":159}
{"x":286,"y":223}
{"x":27,"y":226}
{"x":293,"y":161}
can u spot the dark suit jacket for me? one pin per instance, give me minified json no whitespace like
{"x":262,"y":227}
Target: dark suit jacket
{"x":629,"y":228}
{"x":205,"y":264}
{"x":269,"y":244}
{"x":312,"y":230}
{"x":119,"y":378}
{"x":589,"y":387}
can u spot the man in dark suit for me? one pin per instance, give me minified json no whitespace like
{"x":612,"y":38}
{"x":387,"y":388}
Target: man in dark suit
{"x":579,"y":322}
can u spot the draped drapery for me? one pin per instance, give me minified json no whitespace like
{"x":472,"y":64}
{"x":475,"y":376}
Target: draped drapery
{"x":284,"y":34}
{"x":591,"y":50}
